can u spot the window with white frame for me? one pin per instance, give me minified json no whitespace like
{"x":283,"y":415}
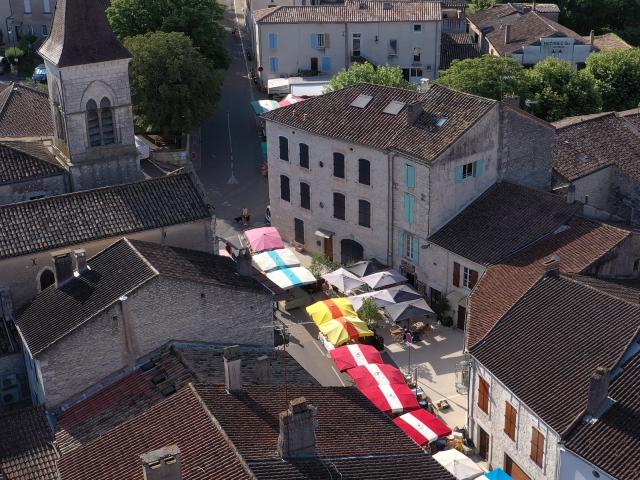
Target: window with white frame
{"x":27,"y":6}
{"x":320,"y":40}
{"x":408,"y":245}
{"x":468,"y":170}
{"x":467,"y":277}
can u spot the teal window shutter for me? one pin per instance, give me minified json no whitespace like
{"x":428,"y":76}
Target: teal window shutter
{"x":326,"y":64}
{"x":410,"y":175}
{"x":406,"y":207}
{"x":409,"y":207}
{"x":415,"y":247}
{"x":314,"y":40}
{"x":458,"y":173}
{"x":401,"y":243}
{"x":479,"y":167}
{"x":273,"y":40}
{"x":273,"y":64}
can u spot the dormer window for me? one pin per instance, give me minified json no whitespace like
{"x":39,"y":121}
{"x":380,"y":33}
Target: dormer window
{"x":100,"y":123}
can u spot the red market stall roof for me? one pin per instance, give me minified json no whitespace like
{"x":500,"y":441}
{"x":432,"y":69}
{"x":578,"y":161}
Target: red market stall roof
{"x":371,"y":375}
{"x":351,"y":356}
{"x":392,"y":398}
{"x":422,"y":427}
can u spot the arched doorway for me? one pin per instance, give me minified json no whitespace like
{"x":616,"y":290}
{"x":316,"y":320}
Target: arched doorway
{"x":350,"y":251}
{"x":47,"y":278}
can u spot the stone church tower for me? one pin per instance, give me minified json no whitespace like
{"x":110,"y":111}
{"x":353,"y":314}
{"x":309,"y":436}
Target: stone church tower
{"x":88,"y":80}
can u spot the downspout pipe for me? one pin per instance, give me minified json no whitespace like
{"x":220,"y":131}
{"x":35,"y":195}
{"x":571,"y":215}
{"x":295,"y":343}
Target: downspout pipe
{"x":390,"y":209}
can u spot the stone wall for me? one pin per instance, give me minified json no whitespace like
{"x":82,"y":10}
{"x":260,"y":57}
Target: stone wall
{"x":161,"y":310}
{"x":33,"y":188}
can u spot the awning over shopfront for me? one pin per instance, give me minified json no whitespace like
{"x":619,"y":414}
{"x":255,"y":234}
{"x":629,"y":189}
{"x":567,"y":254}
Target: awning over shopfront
{"x":287,"y":278}
{"x":325,"y":310}
{"x":396,"y":398}
{"x":370,"y":375}
{"x":275,"y":259}
{"x":351,"y":356}
{"x":456,"y":298}
{"x":422,"y":427}
{"x":322,"y":233}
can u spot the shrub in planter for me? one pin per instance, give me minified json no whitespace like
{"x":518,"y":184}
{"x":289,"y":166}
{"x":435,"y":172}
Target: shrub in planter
{"x":369,"y":312}
{"x":13,"y":53}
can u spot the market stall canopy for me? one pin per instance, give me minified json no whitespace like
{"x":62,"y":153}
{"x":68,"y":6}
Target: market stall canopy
{"x":351,"y":356}
{"x":408,"y":310}
{"x":263,"y":238}
{"x":422,"y":427}
{"x":344,"y":329}
{"x":458,"y":464}
{"x":380,"y":297}
{"x":403,"y":293}
{"x":384,"y":279}
{"x":263,"y":106}
{"x":396,"y":398}
{"x":274,"y":259}
{"x":325,"y":310}
{"x":343,"y":280}
{"x":287,"y":278}
{"x":290,"y":100}
{"x":497,"y":474}
{"x":367,"y":267}
{"x":376,"y":374}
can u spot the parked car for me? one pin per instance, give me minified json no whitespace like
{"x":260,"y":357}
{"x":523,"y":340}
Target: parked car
{"x":5,"y":66}
{"x":40,"y":74}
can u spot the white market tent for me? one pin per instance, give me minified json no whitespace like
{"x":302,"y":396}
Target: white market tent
{"x":458,"y":464}
{"x":286,"y":278}
{"x":274,"y":259}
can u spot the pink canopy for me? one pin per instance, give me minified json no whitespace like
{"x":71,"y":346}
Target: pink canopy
{"x":376,"y":374}
{"x":264,"y":238}
{"x":351,"y":356}
{"x":290,"y":100}
{"x":422,"y":427}
{"x":396,"y":398}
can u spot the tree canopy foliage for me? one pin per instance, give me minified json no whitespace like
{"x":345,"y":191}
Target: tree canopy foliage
{"x":617,"y":77}
{"x":200,"y":20}
{"x":174,"y":87}
{"x":367,"y":73}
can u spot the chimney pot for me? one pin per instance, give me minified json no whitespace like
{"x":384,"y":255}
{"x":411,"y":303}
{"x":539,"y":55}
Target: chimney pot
{"x":552,"y":266}
{"x":81,"y":260}
{"x":598,"y":391}
{"x":232,"y":369}
{"x":63,"y":265}
{"x":507,"y":33}
{"x":263,"y":370}
{"x":298,"y":424}
{"x":162,"y":464}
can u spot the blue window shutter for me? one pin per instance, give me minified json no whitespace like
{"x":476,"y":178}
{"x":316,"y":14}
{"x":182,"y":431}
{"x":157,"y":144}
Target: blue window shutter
{"x":458,"y":173}
{"x":479,"y":167}
{"x":401,"y":243}
{"x":410,"y":176}
{"x":273,"y":40}
{"x":326,"y":64}
{"x":407,"y":200}
{"x":273,"y":63}
{"x":415,"y":244}
{"x":314,"y":40}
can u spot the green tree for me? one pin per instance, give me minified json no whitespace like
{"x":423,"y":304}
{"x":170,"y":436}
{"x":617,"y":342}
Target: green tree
{"x":479,"y":5}
{"x":369,"y":312}
{"x":174,"y":87}
{"x":617,"y":77}
{"x":487,"y":76}
{"x":367,"y":73}
{"x":201,"y":20}
{"x":556,"y":90}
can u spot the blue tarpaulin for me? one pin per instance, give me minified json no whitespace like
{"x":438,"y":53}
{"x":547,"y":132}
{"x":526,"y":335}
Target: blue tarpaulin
{"x":497,"y":474}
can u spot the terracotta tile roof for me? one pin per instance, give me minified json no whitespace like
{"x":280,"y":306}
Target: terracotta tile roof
{"x":250,"y":420}
{"x":21,"y":161}
{"x":181,"y":419}
{"x":589,"y":143}
{"x":81,"y":34}
{"x":608,"y":41}
{"x":503,"y":220}
{"x":501,"y":14}
{"x":24,"y":112}
{"x":526,"y":30}
{"x":160,"y":377}
{"x":580,"y":246}
{"x":360,"y":12}
{"x":548,"y":345}
{"x":612,"y":442}
{"x":55,"y":222}
{"x":26,"y":445}
{"x":622,"y":288}
{"x":332,"y":115}
{"x":457,"y":46}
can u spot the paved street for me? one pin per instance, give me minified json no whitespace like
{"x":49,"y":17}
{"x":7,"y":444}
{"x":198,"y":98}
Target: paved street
{"x":230,"y":145}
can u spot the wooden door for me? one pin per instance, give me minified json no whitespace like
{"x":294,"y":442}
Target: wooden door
{"x":514,"y":470}
{"x":483,"y":444}
{"x":462,"y":315}
{"x":328,"y":248}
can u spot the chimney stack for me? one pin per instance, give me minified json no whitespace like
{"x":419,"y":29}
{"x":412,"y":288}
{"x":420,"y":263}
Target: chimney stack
{"x":414,"y":110}
{"x":162,"y":464}
{"x":63,"y":265}
{"x":507,"y":34}
{"x":232,"y":369}
{"x":592,"y":37}
{"x":598,"y":391}
{"x":552,"y":266}
{"x":263,"y":370}
{"x":81,"y":260}
{"x":243,"y":262}
{"x":297,"y":439}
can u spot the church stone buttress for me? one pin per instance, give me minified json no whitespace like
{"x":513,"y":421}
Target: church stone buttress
{"x":88,"y":81}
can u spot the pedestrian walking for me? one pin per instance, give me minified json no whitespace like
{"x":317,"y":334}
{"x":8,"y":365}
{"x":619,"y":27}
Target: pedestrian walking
{"x":246,"y":216}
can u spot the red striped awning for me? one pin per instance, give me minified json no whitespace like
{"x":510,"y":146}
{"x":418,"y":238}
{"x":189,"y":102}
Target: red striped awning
{"x":422,"y":427}
{"x":376,"y":374}
{"x":351,"y":356}
{"x":396,"y":398}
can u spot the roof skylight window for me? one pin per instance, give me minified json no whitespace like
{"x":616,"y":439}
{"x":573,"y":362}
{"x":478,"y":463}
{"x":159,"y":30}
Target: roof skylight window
{"x":394,"y":107}
{"x":361,"y":101}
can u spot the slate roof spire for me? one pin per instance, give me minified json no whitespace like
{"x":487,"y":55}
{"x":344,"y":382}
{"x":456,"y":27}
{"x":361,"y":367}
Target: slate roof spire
{"x":81,"y":34}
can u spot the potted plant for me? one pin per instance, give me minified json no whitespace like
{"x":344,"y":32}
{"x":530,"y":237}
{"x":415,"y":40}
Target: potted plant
{"x":370,"y":313}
